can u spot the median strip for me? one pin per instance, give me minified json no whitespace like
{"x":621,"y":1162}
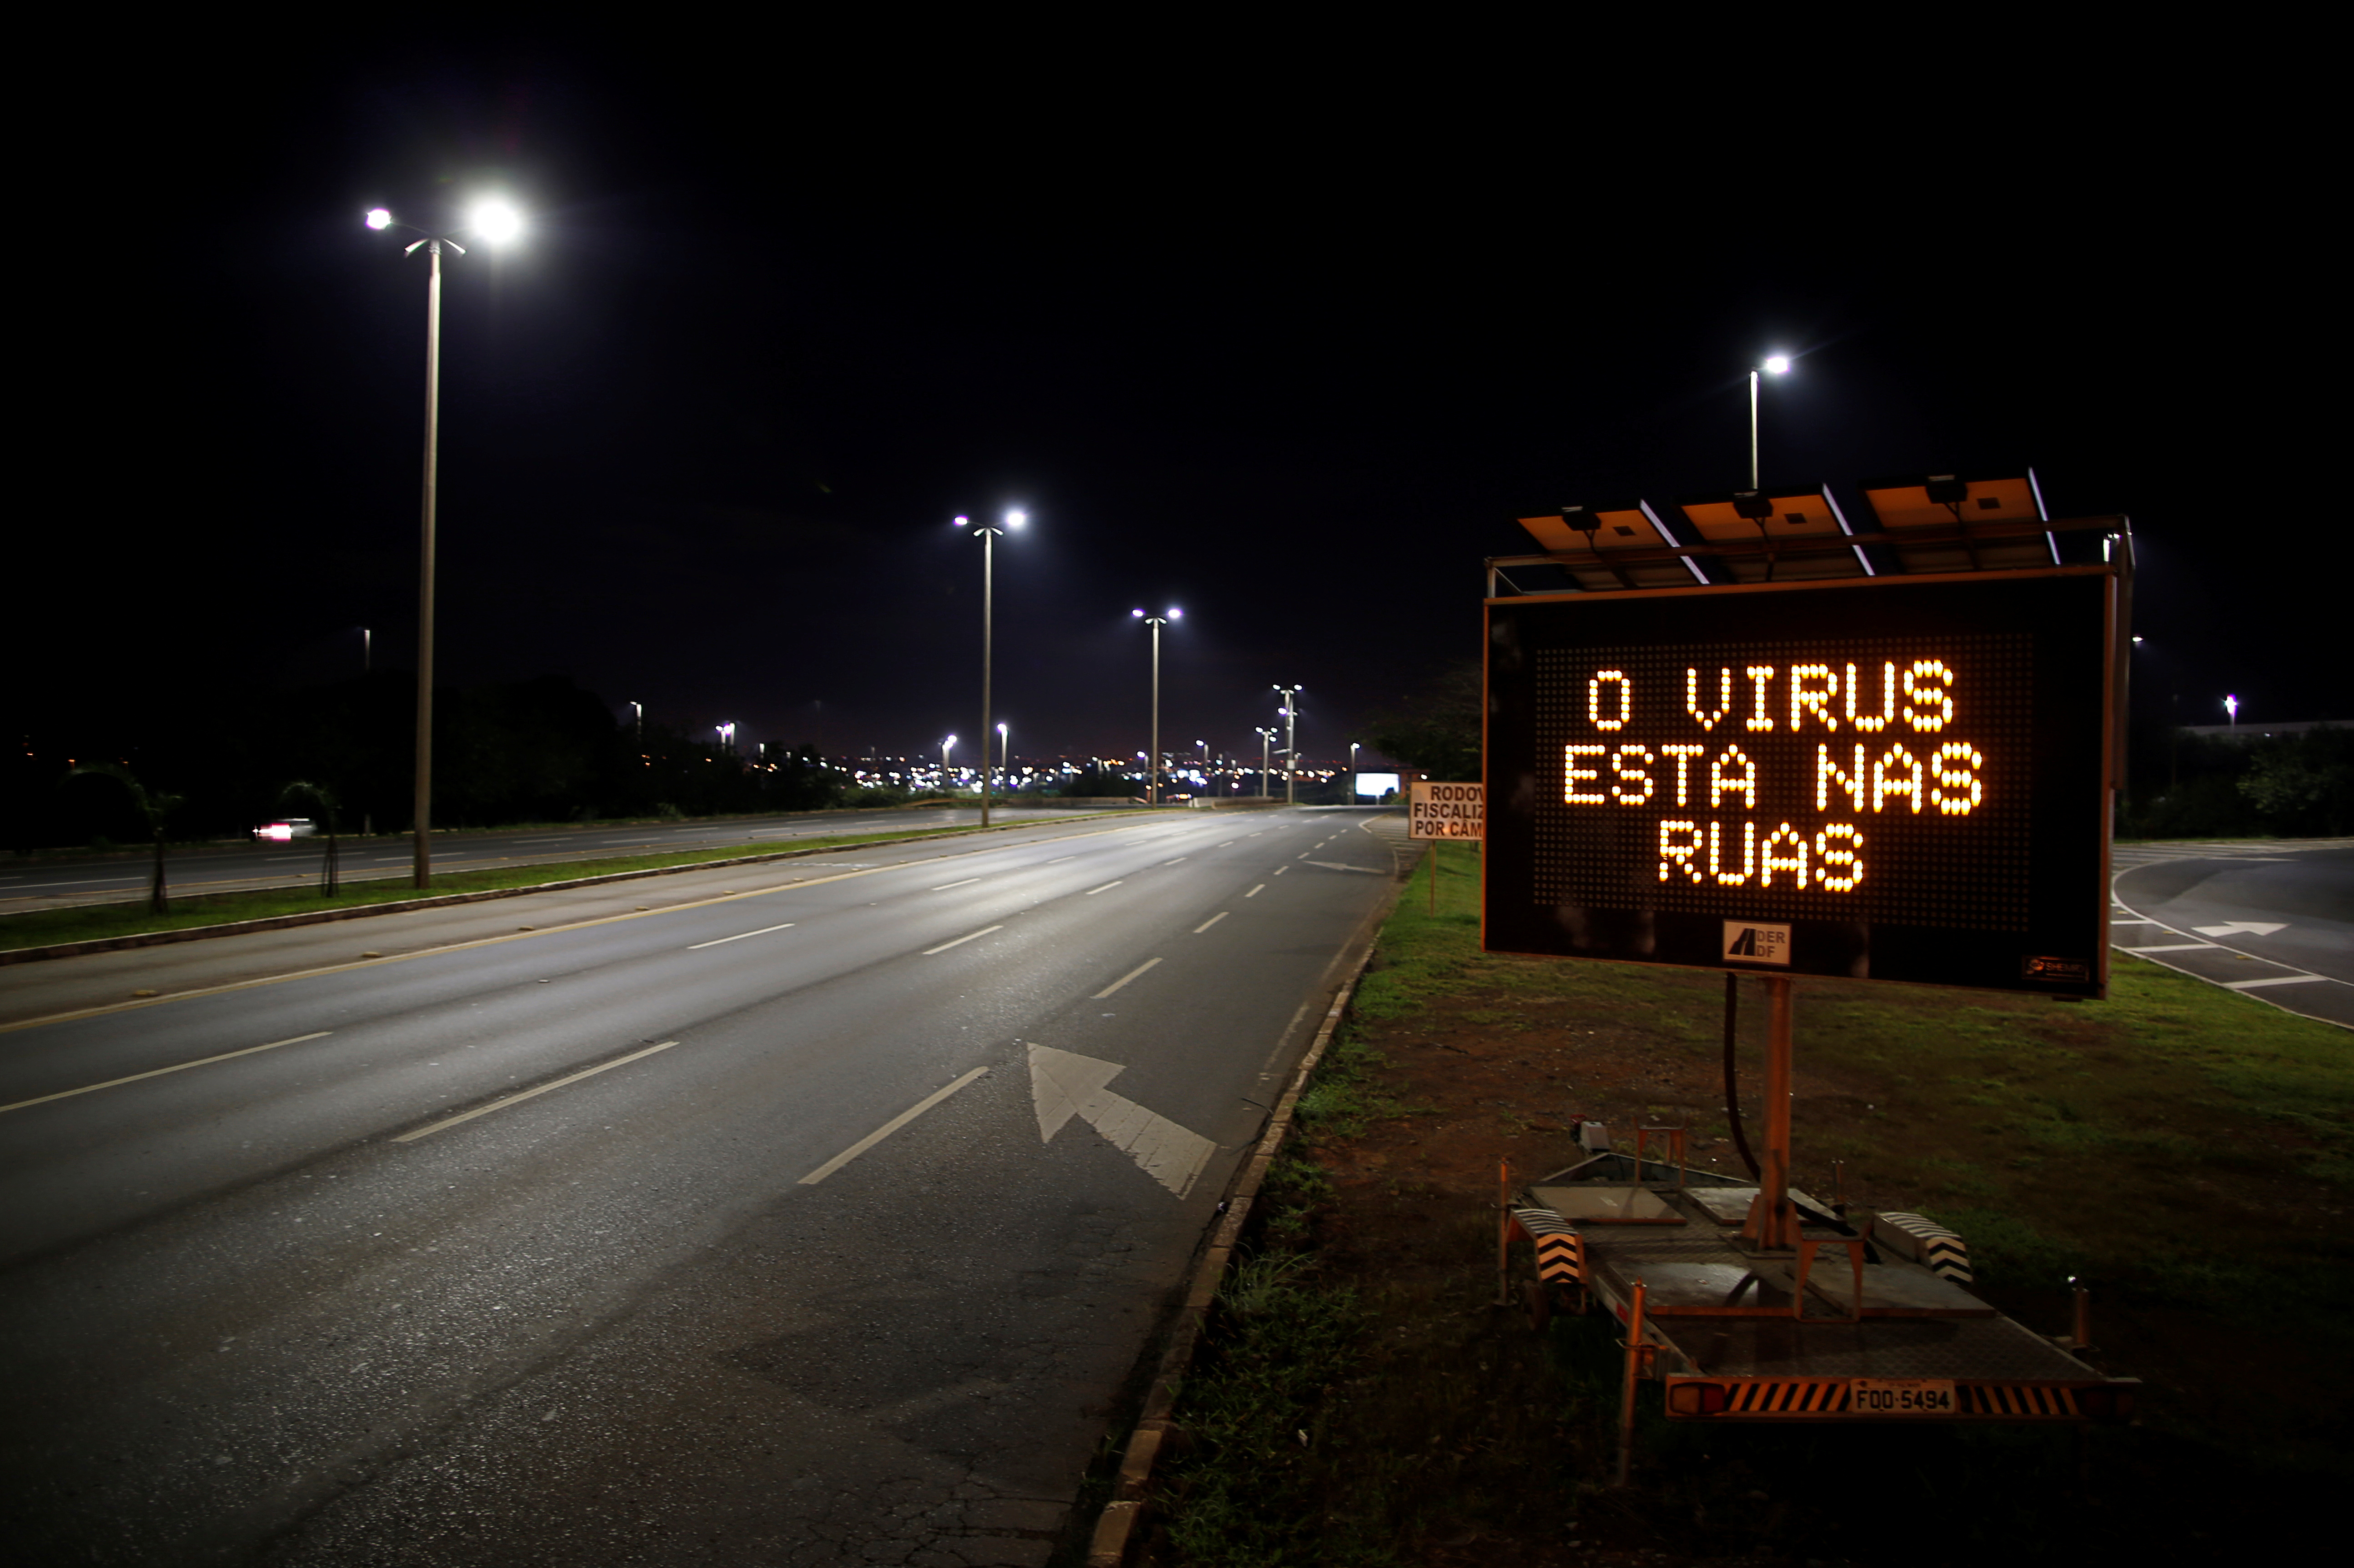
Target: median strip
{"x":888,"y":1128}
{"x":159,"y":1071}
{"x":527,"y":1094}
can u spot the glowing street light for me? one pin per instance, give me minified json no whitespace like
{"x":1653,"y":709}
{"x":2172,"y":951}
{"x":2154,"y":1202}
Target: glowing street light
{"x":1153,"y":768}
{"x":988,"y":534}
{"x":495,"y":222}
{"x":1776,"y":365}
{"x":946,"y":746}
{"x":1354,"y":746}
{"x":2232,"y":707}
{"x":1004,"y":761}
{"x":1266,"y":740}
{"x":727,"y":738}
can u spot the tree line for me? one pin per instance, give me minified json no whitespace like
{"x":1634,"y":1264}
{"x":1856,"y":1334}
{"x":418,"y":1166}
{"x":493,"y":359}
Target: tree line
{"x":531,"y":751}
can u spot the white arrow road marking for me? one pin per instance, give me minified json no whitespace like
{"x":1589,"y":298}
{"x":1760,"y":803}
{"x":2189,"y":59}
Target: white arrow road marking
{"x":1064,"y":1085}
{"x":2235,"y":927}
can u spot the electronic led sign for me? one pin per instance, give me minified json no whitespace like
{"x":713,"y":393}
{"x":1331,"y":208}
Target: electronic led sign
{"x":1887,"y":778}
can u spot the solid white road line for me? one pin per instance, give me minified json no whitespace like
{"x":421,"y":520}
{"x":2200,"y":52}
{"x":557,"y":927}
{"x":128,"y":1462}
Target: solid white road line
{"x":887,"y":1129}
{"x":1182,"y":857}
{"x":1061,"y":858}
{"x":944,"y":886}
{"x":1107,"y":887}
{"x":741,"y":934}
{"x":1255,"y":892}
{"x":2114,"y":921}
{"x":159,"y":1071}
{"x":1123,"y":980}
{"x":527,"y":1094}
{"x":1211,"y":921}
{"x":2174,"y":948}
{"x":961,"y":941}
{"x":2228,"y":985}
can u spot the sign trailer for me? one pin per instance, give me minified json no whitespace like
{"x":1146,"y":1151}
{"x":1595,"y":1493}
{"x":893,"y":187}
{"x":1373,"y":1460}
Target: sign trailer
{"x":1759,"y":740}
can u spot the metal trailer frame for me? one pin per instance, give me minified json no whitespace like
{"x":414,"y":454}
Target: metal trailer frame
{"x":1867,"y":1318}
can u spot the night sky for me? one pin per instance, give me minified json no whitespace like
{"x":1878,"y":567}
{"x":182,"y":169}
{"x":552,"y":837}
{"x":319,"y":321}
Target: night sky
{"x":1283,"y":338}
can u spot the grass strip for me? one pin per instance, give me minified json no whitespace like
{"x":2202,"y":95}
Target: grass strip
{"x":100,"y":922}
{"x":1357,"y":1400}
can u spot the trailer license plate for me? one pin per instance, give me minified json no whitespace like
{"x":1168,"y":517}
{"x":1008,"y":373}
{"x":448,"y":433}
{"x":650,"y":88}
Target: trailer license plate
{"x":1901,"y":1396}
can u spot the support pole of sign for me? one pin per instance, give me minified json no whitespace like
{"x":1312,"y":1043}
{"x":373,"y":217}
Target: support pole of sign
{"x":1732,"y":1075}
{"x":1773,"y":1224}
{"x":1636,"y":1352}
{"x":1433,"y":876}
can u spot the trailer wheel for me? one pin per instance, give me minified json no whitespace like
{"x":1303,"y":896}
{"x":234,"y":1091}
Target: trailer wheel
{"x":1537,"y":1302}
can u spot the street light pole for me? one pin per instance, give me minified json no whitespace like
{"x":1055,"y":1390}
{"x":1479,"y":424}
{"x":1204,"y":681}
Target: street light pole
{"x":945,"y":745}
{"x":421,"y":800}
{"x":1152,"y":765}
{"x":1776,"y":363}
{"x":1004,"y":759}
{"x":988,"y":533}
{"x":1290,"y":743}
{"x":1354,"y":746}
{"x":495,"y":221}
{"x":1266,"y":740}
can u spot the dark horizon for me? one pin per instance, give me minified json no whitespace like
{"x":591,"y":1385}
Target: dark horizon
{"x":706,"y":427}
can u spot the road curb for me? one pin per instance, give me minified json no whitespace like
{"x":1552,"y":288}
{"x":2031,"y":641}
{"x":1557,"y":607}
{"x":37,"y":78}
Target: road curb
{"x":361,"y":911}
{"x":1116,"y":1526}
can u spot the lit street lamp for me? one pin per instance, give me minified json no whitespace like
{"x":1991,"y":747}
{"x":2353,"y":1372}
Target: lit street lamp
{"x":727,"y":738}
{"x":1354,"y":746}
{"x":1776,"y":365}
{"x":1004,"y":762}
{"x":945,"y":746}
{"x":1153,"y":786}
{"x":1266,"y":740}
{"x":988,"y":534}
{"x":495,"y":222}
{"x":2232,"y":707}
{"x":1290,"y":716}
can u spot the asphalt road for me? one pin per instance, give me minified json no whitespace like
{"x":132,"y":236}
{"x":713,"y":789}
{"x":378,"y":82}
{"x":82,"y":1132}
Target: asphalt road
{"x":2273,"y":920}
{"x":117,"y":880}
{"x":577,"y":1245}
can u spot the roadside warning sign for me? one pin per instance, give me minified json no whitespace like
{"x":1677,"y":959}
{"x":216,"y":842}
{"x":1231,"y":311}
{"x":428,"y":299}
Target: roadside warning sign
{"x":1447,"y":811}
